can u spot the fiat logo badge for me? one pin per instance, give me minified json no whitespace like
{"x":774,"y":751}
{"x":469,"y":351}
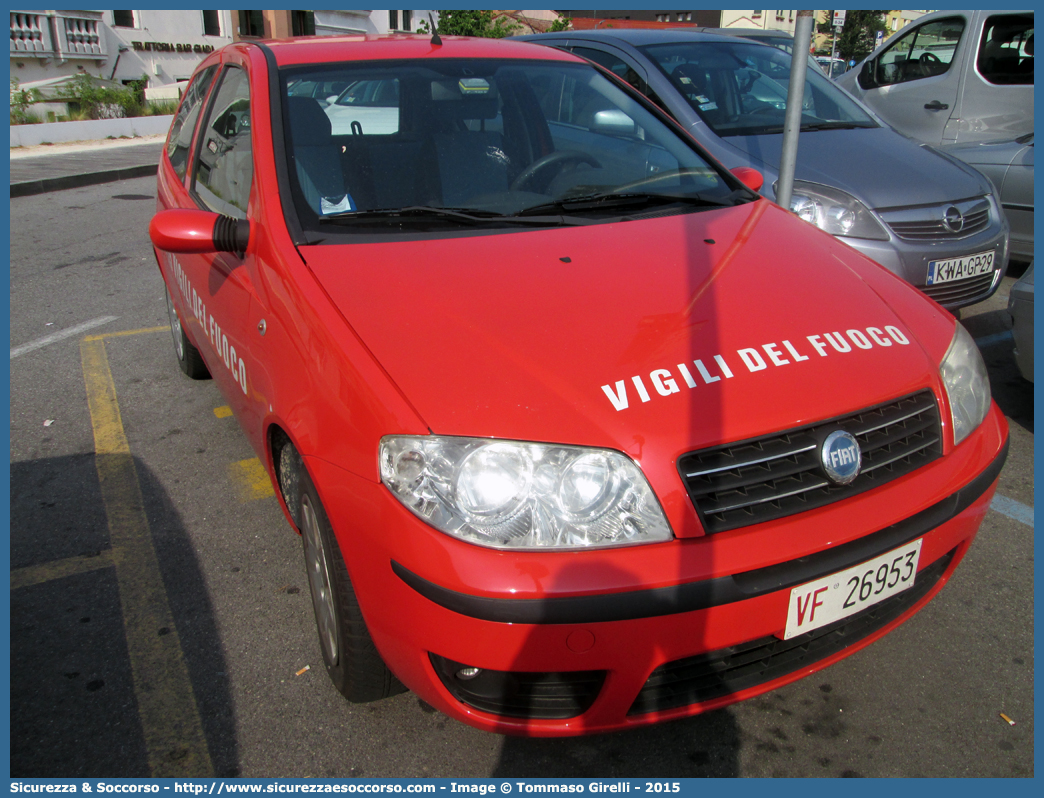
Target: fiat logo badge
{"x":841,"y":457}
{"x":954,"y":219}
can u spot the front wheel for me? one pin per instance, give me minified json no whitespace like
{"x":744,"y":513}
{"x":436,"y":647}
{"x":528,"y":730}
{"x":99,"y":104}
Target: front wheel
{"x":190,"y":360}
{"x":351,"y":658}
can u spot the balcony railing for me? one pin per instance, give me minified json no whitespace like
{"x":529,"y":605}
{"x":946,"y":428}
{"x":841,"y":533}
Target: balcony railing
{"x":31,"y":34}
{"x":57,"y":34}
{"x":79,"y":36}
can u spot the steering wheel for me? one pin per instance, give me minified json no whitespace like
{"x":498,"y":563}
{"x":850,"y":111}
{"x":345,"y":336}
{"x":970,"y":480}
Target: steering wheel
{"x":764,"y":109}
{"x":556,"y":159}
{"x":656,"y":178}
{"x":929,"y":63}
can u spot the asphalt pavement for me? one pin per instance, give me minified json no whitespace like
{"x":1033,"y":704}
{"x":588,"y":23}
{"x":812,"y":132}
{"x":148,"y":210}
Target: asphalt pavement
{"x":53,"y":167}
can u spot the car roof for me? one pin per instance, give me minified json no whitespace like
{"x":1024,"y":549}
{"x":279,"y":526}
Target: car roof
{"x":751,"y":33}
{"x":634,"y":36}
{"x":366,"y":47}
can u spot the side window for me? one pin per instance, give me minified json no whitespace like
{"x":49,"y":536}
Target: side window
{"x":368,"y":107}
{"x":1006,"y":50}
{"x":225,"y":166}
{"x":371,"y":94}
{"x":922,"y":53}
{"x":613,"y":63}
{"x":179,"y":139}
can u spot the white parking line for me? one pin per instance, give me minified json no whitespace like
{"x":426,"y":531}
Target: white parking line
{"x":61,"y":335}
{"x":1013,"y":509}
{"x":996,"y":338}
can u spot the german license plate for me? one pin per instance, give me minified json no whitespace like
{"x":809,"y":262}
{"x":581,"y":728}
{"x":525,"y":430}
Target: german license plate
{"x":845,"y":593}
{"x":945,"y":271}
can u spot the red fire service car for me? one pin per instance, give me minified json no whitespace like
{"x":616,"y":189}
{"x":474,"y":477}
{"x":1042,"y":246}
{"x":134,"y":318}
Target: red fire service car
{"x":580,"y":432}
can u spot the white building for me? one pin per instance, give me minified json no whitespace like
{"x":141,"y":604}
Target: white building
{"x":336,"y":23}
{"x":763,"y":20}
{"x":48,"y":47}
{"x":121,"y":46}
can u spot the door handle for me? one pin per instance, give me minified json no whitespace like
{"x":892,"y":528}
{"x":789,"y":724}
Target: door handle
{"x":935,"y":105}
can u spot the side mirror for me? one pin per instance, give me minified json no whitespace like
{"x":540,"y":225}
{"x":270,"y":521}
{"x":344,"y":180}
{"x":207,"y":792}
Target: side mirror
{"x":613,"y":122}
{"x":751,"y":178}
{"x":866,"y":75}
{"x":192,"y":231}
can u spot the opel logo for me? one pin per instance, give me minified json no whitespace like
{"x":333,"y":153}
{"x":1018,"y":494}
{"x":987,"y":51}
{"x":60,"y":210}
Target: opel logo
{"x":954,"y":219}
{"x":841,"y":457}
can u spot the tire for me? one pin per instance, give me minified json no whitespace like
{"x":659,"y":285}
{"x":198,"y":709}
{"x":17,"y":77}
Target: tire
{"x":189,"y":359}
{"x":351,"y":658}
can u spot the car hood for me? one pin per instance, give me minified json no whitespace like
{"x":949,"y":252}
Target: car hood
{"x":878,"y":166}
{"x":589,"y":335}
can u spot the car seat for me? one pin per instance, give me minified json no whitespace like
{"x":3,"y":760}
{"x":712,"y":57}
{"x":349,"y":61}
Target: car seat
{"x":317,"y":159}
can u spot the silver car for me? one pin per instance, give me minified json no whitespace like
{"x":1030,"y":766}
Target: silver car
{"x":1009,"y":164}
{"x":927,"y":217}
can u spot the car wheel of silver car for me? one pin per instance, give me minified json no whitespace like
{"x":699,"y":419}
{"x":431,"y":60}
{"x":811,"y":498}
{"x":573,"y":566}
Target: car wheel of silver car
{"x":189,"y":359}
{"x":351,"y":658}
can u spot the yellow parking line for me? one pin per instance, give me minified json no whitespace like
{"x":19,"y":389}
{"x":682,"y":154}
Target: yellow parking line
{"x":124,"y":333}
{"x":58,"y":569}
{"x":167,"y":707}
{"x":223,"y":412}
{"x":251,"y":480}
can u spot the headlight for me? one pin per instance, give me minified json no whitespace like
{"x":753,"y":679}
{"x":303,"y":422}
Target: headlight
{"x":513,"y":495}
{"x":967,"y":384}
{"x":834,"y":211}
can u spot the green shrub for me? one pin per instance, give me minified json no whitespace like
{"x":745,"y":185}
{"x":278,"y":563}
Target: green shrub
{"x":160,"y":108}
{"x":88,"y":99}
{"x":472,"y":23}
{"x":21,"y":99}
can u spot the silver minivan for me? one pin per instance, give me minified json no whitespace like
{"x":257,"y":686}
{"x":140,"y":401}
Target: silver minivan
{"x":953,"y":77}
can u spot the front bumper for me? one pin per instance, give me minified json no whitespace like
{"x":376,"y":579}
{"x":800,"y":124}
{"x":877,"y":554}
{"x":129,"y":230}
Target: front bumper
{"x":583,"y":642}
{"x":910,"y":259}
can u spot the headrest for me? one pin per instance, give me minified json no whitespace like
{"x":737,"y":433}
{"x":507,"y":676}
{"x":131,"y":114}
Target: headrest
{"x":309,"y":124}
{"x":1029,"y":45}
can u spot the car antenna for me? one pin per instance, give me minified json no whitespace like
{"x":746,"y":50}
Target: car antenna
{"x":435,"y":40}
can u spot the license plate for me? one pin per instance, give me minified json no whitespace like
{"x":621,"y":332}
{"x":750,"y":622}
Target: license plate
{"x":845,"y":593}
{"x":945,"y":271}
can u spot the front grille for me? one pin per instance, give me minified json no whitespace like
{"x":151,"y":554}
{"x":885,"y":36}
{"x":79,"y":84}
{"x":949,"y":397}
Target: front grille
{"x":521,"y":694}
{"x":927,"y":224}
{"x":960,"y":291}
{"x":935,"y":229}
{"x":729,"y":670}
{"x":778,"y":475}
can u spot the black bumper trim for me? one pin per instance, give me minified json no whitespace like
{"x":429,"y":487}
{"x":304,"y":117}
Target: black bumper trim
{"x":702,"y":595}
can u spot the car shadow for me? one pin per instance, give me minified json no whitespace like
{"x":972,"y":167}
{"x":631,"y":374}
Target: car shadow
{"x":705,"y":746}
{"x":74,"y":711}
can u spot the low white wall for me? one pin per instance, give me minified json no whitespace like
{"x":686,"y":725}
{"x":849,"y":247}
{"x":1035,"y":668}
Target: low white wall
{"x":91,"y":130}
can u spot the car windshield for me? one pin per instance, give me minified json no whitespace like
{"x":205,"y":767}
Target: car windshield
{"x":435,"y":143}
{"x":740,"y":89}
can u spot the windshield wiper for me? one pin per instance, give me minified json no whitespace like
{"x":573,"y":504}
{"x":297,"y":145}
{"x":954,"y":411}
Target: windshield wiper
{"x":814,"y":126}
{"x":837,"y":125}
{"x":471,"y":216}
{"x":609,"y":200}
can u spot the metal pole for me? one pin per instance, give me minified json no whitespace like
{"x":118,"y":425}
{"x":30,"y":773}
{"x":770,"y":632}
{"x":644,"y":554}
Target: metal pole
{"x":795,"y":95}
{"x":833,"y":51}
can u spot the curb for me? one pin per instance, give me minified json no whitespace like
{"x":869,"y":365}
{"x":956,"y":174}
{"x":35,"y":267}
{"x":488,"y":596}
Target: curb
{"x":31,"y":187}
